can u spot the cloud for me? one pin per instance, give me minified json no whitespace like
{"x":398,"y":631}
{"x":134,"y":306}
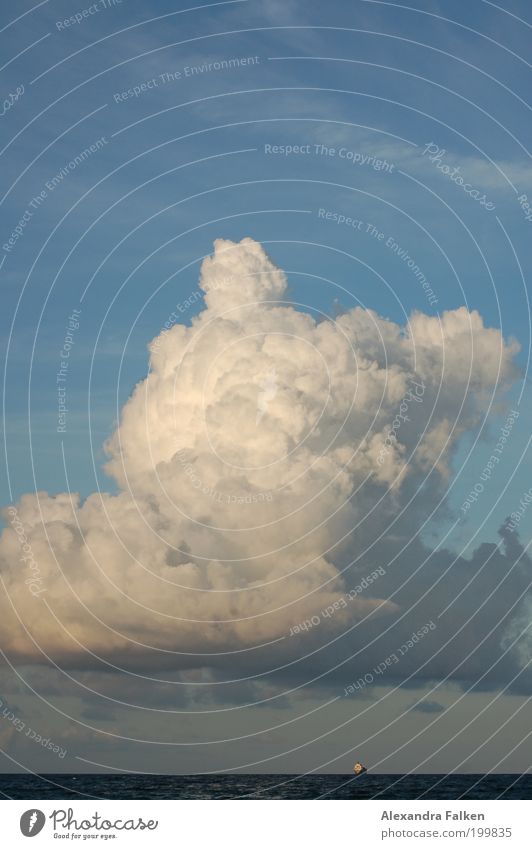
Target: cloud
{"x":267,"y":461}
{"x":428,"y":707}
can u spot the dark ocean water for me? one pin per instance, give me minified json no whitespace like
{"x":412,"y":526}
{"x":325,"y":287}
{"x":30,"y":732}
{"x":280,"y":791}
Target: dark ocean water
{"x":266,"y":787}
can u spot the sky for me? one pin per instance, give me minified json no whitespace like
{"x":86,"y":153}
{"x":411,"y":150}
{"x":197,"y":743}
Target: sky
{"x":266,"y":331}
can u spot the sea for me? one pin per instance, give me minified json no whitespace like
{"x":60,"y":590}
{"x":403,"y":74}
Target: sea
{"x":238,"y":786}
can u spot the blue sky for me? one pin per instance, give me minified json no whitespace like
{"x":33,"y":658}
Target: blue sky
{"x":184,"y":159}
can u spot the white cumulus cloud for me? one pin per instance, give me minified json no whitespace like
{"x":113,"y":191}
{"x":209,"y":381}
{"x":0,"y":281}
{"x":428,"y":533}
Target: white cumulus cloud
{"x":262,"y":451}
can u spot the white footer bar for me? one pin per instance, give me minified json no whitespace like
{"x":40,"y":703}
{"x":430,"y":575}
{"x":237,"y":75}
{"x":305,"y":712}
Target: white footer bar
{"x":251,"y":824}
